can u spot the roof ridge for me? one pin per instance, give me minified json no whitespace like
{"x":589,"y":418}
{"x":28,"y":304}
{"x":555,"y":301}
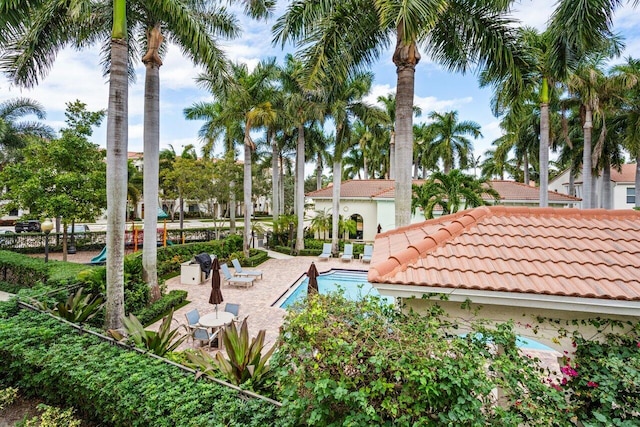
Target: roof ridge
{"x":413,"y":252}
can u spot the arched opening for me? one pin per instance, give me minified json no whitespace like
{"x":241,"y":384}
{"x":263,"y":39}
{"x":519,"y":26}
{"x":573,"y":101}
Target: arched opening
{"x":357,"y":235}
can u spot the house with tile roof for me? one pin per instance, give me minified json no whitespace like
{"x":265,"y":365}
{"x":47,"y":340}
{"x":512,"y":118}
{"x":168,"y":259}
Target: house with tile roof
{"x":622,"y":186}
{"x":372,"y":202}
{"x":517,"y":263}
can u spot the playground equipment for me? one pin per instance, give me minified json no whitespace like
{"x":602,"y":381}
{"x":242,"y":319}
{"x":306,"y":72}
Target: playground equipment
{"x":101,"y":258}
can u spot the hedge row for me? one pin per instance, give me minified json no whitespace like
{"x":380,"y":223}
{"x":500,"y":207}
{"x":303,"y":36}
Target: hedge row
{"x":159,"y":308}
{"x":110,"y":384}
{"x":18,"y":269}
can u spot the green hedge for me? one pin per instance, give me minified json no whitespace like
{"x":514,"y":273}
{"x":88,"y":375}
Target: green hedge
{"x":22,"y":270}
{"x":155,"y":311}
{"x":47,"y":358}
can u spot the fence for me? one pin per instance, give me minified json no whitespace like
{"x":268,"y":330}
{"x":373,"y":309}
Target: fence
{"x":91,"y":240}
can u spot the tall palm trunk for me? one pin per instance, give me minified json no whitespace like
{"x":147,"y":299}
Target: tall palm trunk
{"x":606,"y":185}
{"x":525,"y":165}
{"x":405,"y":57}
{"x":281,"y":189}
{"x":247,"y":185}
{"x":319,"y":172}
{"x":232,"y":207}
{"x":637,"y":180}
{"x":544,"y":143}
{"x":300,"y":189}
{"x":275,"y":181}
{"x":117,"y":142}
{"x":337,"y":174}
{"x":392,"y":152}
{"x":587,"y":169}
{"x":151,"y":170}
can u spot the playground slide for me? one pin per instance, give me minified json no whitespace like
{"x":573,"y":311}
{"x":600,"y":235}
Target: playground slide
{"x":101,"y":258}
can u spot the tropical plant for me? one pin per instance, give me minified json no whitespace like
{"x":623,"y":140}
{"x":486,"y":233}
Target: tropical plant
{"x":335,"y":37}
{"x":450,"y":192}
{"x":7,"y":396}
{"x":363,"y":363}
{"x":159,"y":343}
{"x":246,"y":96}
{"x":321,"y":223}
{"x":78,"y":308}
{"x":245,"y":363}
{"x":449,"y":139}
{"x":14,"y":133}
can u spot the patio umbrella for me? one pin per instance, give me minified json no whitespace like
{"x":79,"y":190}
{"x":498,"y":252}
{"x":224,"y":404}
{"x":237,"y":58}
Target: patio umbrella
{"x":216,"y":293}
{"x":313,"y":279}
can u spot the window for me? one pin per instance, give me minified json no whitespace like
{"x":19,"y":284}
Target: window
{"x":631,"y":195}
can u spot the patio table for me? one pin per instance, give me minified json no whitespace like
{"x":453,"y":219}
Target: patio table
{"x":216,"y":320}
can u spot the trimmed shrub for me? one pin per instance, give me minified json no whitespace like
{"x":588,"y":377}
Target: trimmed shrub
{"x":157,"y":309}
{"x":112,"y":385}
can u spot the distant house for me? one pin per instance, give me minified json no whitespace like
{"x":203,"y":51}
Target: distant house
{"x":372,"y":202}
{"x":517,"y":263}
{"x":622,"y":186}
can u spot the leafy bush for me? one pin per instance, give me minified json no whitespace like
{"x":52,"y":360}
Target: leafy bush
{"x":78,"y":308}
{"x":7,"y":396}
{"x":160,"y":343}
{"x":245,"y":365}
{"x":603,"y":379}
{"x":21,"y":270}
{"x":365,"y":363}
{"x":167,"y":302}
{"x":113,"y":385}
{"x":53,"y":417}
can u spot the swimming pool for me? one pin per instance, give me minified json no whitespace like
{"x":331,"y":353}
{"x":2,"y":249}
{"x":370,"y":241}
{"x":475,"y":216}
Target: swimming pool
{"x":354,"y":285}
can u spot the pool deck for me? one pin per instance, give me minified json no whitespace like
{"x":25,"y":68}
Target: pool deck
{"x":279,"y":273}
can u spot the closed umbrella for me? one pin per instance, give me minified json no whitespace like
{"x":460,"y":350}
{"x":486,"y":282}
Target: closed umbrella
{"x":216,"y":293}
{"x":312,"y":286}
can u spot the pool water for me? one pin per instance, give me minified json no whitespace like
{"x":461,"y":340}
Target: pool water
{"x":353,"y":284}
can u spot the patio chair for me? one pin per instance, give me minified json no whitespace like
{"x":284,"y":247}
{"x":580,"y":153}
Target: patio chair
{"x":368,"y":252}
{"x":193,"y":317}
{"x":326,"y":251}
{"x":203,"y":335}
{"x":235,"y":310}
{"x":249,"y":273}
{"x":235,"y":281}
{"x":347,"y":255}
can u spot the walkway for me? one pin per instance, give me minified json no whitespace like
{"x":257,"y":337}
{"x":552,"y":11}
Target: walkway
{"x":280,"y":272}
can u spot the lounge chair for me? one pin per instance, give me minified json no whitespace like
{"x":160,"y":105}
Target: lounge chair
{"x":326,"y":251}
{"x":347,"y":255}
{"x":249,"y":273}
{"x":368,"y":252}
{"x":203,"y":335}
{"x":233,"y":280}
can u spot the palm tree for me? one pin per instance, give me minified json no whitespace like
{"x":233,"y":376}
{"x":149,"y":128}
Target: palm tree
{"x":538,"y":73}
{"x":449,"y":139}
{"x":345,"y":105}
{"x":587,"y":83}
{"x":301,"y":106}
{"x":15,"y":132}
{"x":451,"y":192}
{"x":337,"y":36}
{"x":247,"y":98}
{"x":135,"y":184}
{"x":627,"y":77}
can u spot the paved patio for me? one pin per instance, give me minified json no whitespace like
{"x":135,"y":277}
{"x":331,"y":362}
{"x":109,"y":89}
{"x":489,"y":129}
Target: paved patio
{"x":280,"y":272}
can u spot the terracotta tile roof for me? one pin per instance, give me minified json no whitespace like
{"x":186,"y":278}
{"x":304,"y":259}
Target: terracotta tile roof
{"x":564,"y":252}
{"x":385,"y":189}
{"x":511,"y":190}
{"x":627,"y":174}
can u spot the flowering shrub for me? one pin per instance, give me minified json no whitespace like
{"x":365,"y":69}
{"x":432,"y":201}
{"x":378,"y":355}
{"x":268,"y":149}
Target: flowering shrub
{"x":602,"y":380}
{"x":364,"y":363}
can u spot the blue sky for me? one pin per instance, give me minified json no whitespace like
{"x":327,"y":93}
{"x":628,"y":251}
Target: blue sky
{"x":78,"y":75}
